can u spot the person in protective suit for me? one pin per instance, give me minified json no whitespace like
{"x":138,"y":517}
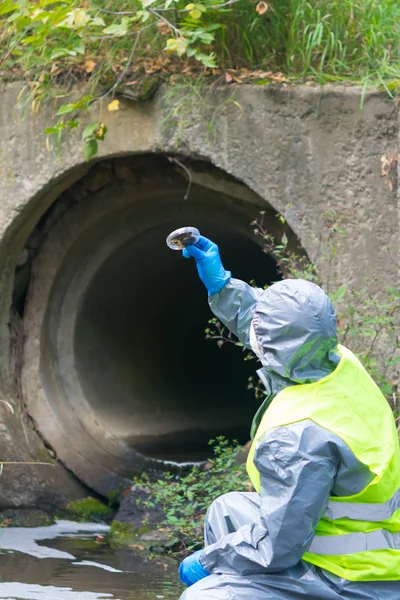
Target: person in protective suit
{"x":324,"y":522}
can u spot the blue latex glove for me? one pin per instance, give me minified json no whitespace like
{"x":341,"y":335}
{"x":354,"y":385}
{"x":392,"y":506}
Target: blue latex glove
{"x":209,"y":265}
{"x":191,"y":570}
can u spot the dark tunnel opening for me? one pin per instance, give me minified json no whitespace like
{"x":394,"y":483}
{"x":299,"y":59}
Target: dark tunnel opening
{"x":118,"y":375}
{"x":144,"y":365}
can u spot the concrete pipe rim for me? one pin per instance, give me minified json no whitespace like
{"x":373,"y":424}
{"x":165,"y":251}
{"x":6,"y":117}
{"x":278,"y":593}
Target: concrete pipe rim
{"x":73,"y":253}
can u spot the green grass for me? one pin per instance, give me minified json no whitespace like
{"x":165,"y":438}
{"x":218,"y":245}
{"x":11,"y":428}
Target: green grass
{"x":87,"y":50}
{"x":327,"y":39}
{"x":330,"y":40}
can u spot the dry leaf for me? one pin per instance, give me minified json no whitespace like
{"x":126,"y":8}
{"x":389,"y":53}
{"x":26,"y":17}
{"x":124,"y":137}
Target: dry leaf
{"x":387,"y":164}
{"x":278,"y":78}
{"x":90,"y":66}
{"x":228,"y":78}
{"x":262,"y":8}
{"x":114,"y":105}
{"x":163,"y":27}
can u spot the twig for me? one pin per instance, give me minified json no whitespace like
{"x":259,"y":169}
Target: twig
{"x":19,"y":462}
{"x":134,"y":12}
{"x":8,"y":405}
{"x":213,"y":6}
{"x":188,"y":173}
{"x":157,"y":14}
{"x":113,"y":12}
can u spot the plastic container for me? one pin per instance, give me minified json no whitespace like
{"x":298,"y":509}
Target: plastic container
{"x":180,"y":238}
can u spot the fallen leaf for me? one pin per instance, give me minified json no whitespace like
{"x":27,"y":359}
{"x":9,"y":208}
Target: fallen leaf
{"x":114,"y":105}
{"x":136,"y":546}
{"x":163,"y":27}
{"x":278,"y":78}
{"x":262,"y":8}
{"x":228,"y":78}
{"x":90,"y":65}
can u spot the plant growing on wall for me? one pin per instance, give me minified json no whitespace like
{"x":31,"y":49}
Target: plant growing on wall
{"x":79,"y":52}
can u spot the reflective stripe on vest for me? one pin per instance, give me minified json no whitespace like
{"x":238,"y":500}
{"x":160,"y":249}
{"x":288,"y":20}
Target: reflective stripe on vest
{"x":363,"y":512}
{"x":358,"y":538}
{"x":351,"y":543}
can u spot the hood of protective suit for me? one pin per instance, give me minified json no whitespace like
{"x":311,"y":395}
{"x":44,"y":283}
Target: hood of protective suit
{"x":294,"y":326}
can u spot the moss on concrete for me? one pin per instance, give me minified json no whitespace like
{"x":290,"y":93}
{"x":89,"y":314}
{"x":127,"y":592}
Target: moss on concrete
{"x":123,"y":534}
{"x":88,"y":509}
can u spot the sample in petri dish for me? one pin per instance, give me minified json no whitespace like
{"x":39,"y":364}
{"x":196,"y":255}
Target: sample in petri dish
{"x":180,"y":238}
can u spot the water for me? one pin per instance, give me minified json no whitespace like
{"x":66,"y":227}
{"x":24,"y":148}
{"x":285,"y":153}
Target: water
{"x":67,"y":562}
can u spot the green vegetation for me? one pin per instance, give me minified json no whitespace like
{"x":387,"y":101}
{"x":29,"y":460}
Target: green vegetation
{"x":185,"y":499}
{"x":122,"y":534}
{"x":81,"y":51}
{"x":88,"y":509}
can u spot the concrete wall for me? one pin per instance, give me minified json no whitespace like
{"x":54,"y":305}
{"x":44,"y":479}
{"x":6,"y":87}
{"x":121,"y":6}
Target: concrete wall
{"x":302,"y":150}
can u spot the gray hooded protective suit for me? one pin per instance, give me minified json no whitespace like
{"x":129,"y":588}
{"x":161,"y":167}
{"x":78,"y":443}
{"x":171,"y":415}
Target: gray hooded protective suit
{"x":254,"y":543}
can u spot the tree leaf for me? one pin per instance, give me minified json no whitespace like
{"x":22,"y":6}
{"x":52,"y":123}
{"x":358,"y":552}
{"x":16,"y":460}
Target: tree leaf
{"x":80,"y":17}
{"x":58,"y":53}
{"x":178,"y":45}
{"x":90,"y":129}
{"x":79,"y":49}
{"x":195,"y":13}
{"x":90,"y":148}
{"x":65,"y":109}
{"x":207,"y":60}
{"x":98,"y":21}
{"x":7,"y":7}
{"x":118,"y":29}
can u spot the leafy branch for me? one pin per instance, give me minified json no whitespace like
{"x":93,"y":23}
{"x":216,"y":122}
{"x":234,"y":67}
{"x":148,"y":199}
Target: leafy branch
{"x":82,"y":50}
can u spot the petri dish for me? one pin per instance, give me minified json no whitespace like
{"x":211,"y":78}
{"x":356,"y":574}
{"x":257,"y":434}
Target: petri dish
{"x":182,"y":237}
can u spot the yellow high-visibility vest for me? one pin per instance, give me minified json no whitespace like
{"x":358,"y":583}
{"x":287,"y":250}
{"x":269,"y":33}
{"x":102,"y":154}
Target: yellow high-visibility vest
{"x":358,"y":538}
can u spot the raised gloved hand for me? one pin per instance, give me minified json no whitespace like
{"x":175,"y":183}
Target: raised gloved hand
{"x":209,"y":265}
{"x":191,"y":570}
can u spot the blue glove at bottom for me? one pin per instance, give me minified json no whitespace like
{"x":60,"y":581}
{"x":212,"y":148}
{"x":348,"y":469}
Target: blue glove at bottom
{"x":191,"y":570}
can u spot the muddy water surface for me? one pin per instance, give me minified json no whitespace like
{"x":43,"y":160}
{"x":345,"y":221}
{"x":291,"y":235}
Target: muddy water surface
{"x":65,"y":562}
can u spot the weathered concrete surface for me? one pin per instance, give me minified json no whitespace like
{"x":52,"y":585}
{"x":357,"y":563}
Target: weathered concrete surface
{"x":301,"y":150}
